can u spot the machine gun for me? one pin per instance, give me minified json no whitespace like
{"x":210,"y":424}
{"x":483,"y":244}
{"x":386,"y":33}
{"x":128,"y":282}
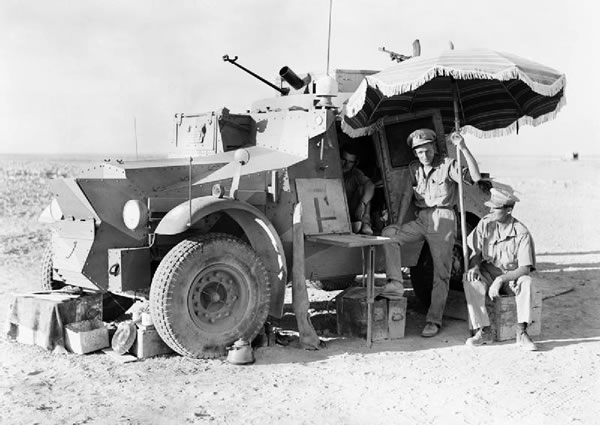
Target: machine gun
{"x":285,"y":73}
{"x":284,"y":91}
{"x":399,"y":57}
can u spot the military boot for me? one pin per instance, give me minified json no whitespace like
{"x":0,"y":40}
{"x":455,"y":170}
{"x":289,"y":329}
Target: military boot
{"x":481,"y":337}
{"x":366,"y":229}
{"x":393,"y":289}
{"x":525,"y":342}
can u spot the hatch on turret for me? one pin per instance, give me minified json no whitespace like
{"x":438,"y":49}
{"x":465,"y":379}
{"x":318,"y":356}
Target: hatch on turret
{"x":212,"y":132}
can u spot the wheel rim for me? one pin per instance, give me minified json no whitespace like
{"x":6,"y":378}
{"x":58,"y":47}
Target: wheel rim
{"x":217,"y":298}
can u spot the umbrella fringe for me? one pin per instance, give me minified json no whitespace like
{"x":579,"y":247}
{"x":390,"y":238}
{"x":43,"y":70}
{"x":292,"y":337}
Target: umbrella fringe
{"x":389,"y":90}
{"x":357,"y":99}
{"x":506,"y":131}
{"x":358,"y":132}
{"x":481,"y":134}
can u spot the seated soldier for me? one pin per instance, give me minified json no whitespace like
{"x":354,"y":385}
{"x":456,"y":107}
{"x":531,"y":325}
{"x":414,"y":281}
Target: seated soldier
{"x":359,"y":191}
{"x":502,"y":258}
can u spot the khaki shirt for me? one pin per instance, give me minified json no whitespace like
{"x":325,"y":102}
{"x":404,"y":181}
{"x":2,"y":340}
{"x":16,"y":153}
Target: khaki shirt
{"x":353,"y":181}
{"x":439,"y":188}
{"x":507,"y":251}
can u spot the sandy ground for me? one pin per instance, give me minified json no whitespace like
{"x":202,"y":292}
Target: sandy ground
{"x":413,"y":380}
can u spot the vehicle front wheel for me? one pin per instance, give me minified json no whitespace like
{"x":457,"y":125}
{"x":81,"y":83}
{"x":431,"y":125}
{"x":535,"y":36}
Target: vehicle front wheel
{"x":207,"y":292}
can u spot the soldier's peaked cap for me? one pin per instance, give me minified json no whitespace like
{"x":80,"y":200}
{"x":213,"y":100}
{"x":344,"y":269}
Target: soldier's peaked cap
{"x":420,"y":137}
{"x":501,"y":198}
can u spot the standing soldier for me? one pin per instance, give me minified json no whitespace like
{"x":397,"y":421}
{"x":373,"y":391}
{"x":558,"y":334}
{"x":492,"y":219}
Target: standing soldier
{"x":502,"y":257}
{"x":434,"y":181}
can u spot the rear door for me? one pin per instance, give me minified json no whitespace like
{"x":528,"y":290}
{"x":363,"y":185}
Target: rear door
{"x":395,"y":155}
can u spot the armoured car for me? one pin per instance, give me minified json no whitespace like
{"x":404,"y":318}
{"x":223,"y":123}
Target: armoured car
{"x":206,"y":234}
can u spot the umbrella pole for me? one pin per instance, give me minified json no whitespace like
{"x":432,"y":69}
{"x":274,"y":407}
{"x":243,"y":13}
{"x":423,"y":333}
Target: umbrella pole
{"x":461,"y":198}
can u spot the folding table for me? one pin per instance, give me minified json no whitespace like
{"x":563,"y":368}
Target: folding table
{"x":355,"y":241}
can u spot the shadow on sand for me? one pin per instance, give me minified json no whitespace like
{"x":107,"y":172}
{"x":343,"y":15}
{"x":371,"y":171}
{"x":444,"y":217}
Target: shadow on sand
{"x":570,"y":315}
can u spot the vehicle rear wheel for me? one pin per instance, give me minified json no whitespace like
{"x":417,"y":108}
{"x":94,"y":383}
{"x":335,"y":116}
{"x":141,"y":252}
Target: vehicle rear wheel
{"x":207,"y":292}
{"x":421,"y":275}
{"x":47,"y":281}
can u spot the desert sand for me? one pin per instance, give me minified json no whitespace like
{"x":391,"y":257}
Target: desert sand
{"x":408,"y":381}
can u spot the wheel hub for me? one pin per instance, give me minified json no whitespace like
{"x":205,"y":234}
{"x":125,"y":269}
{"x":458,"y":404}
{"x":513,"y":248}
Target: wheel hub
{"x":214,"y":296}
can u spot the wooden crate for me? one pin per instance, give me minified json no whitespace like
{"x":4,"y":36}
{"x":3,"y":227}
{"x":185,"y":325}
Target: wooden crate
{"x":396,"y":318}
{"x":388,"y":316}
{"x":503,"y":316}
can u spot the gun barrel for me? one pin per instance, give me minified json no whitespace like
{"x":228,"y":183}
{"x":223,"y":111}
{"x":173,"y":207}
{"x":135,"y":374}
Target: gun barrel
{"x":292,"y":78}
{"x":283,"y":91}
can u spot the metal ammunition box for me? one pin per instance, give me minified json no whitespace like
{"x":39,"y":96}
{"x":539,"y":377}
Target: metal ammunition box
{"x":389,"y":316}
{"x":503,"y":316}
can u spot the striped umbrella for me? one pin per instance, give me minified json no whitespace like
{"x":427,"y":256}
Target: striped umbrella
{"x":480,"y":91}
{"x":495,"y":93}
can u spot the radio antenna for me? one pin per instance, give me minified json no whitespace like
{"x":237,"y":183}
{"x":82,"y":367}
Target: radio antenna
{"x":329,"y":36}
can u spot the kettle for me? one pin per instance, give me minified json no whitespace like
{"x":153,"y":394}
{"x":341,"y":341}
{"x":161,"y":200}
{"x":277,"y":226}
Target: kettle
{"x":240,"y":352}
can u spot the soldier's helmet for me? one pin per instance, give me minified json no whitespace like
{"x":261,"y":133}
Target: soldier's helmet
{"x":420,"y":137}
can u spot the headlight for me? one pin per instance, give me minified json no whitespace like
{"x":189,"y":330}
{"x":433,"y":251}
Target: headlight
{"x":135,"y":214}
{"x":218,"y":190}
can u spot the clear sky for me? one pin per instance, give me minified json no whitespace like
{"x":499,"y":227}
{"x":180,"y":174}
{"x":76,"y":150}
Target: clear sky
{"x":75,"y":75}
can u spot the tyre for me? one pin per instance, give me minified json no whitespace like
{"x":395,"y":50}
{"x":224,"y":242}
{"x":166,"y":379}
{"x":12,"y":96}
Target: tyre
{"x":336,"y":284}
{"x":207,"y":292}
{"x":47,"y":281}
{"x":421,"y":275}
